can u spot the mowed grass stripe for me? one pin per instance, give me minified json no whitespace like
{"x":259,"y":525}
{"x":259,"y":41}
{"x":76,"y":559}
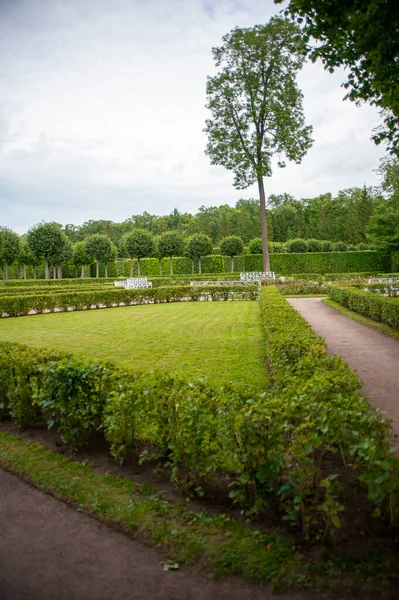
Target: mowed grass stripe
{"x":220,"y":340}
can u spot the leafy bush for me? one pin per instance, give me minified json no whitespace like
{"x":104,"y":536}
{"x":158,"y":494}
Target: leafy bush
{"x":339,"y":247}
{"x":326,"y":246}
{"x":255,"y":246}
{"x":315,"y":245}
{"x":376,"y":307}
{"x":297,"y":245}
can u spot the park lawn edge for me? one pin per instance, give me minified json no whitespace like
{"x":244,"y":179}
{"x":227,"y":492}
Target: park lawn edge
{"x":208,"y":542}
{"x":381,"y":327}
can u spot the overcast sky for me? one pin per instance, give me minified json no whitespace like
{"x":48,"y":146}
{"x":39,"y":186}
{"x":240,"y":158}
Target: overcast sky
{"x":102,"y":112}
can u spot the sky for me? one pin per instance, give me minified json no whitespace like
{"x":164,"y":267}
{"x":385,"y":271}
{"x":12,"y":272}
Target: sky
{"x":102,"y":111}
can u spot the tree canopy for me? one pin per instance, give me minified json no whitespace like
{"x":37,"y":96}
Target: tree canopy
{"x":361,"y":35}
{"x":45,"y":240}
{"x":98,"y":247}
{"x":256,"y":106}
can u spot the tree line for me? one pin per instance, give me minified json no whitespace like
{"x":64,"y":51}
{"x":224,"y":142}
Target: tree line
{"x":354,"y":218}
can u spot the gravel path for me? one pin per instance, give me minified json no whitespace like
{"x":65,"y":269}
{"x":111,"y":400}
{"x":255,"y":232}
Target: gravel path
{"x":372,"y":354}
{"x":49,"y":551}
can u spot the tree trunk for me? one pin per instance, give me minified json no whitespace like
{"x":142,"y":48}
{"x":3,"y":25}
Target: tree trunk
{"x":131,"y":267}
{"x":192,"y":267}
{"x":106,"y":270}
{"x":171,"y":265}
{"x":82,"y":272}
{"x":232,"y":264}
{"x":34,"y":272}
{"x":199,"y":266}
{"x":6,"y":271}
{"x":263,"y":224}
{"x":24,"y":270}
{"x":54,"y":273}
{"x":138,"y":267}
{"x":59,"y":271}
{"x":97,"y":269}
{"x":46,"y":270}
{"x":160,"y":266}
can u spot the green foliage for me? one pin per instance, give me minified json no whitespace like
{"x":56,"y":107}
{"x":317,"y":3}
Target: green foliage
{"x":297,"y":245}
{"x":326,"y":246}
{"x":371,"y":305}
{"x":46,"y":240}
{"x":170,"y":243}
{"x":255,"y":246}
{"x":329,"y":262}
{"x":339,"y":247}
{"x":9,"y":248}
{"x":99,"y":248}
{"x":315,"y":246}
{"x":362,"y":36}
{"x":232,"y":246}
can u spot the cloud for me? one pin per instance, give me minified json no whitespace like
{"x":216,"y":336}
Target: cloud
{"x":102,"y":111}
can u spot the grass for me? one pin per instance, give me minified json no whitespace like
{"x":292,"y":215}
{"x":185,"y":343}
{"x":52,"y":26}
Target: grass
{"x":361,"y":319}
{"x":214,"y":541}
{"x":220,"y":340}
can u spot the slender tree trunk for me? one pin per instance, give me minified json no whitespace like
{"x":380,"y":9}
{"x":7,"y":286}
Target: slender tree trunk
{"x":199,"y":266}
{"x":6,"y":271}
{"x":46,"y":270}
{"x":192,"y":267}
{"x":131,"y":267}
{"x":24,"y":270}
{"x":20,"y":273}
{"x":171,"y":265}
{"x":59,"y":271}
{"x":54,"y":273}
{"x":160,"y":266}
{"x":263,"y":224}
{"x":97,"y":269}
{"x":82,"y":272}
{"x":138,"y":267}
{"x":232,"y":264}
{"x":106,"y":269}
{"x":34,"y":272}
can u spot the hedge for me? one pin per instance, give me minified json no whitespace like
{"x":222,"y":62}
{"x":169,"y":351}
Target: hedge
{"x":20,"y":305}
{"x":369,"y":304}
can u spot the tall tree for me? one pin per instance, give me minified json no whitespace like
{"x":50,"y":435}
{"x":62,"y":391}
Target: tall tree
{"x":9,"y":248}
{"x":139,"y":243}
{"x":256,"y":106}
{"x":44,"y":240}
{"x":171,"y":243}
{"x":98,"y":247}
{"x":361,"y":35}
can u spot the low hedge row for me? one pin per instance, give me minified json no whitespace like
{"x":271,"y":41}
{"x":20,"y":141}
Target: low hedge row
{"x":281,"y":447}
{"x":369,"y":304}
{"x":20,"y":305}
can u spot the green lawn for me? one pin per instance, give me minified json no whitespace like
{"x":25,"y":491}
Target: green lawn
{"x":220,"y":340}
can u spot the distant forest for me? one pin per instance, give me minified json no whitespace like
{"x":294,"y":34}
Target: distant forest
{"x":341,"y":218}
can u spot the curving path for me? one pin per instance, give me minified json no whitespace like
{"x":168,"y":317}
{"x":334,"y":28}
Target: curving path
{"x":49,"y":551}
{"x":372,"y":354}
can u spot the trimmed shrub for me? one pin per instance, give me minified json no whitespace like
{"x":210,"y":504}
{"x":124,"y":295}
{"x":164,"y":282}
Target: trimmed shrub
{"x":315,"y":245}
{"x":371,"y":305}
{"x":296,"y":245}
{"x":326,"y":246}
{"x":255,"y":246}
{"x":339,"y":247}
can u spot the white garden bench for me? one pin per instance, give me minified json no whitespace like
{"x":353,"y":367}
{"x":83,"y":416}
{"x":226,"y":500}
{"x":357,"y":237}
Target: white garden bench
{"x":257,"y":275}
{"x":134,"y":283}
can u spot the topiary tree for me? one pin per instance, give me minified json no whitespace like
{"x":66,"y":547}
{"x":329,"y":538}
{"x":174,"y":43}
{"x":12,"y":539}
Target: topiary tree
{"x":63,"y":254}
{"x":232,"y":245}
{"x":44,"y":240}
{"x":80,"y":258}
{"x":98,"y":248}
{"x":138,"y":243}
{"x":255,"y":246}
{"x":297,"y":245}
{"x":315,"y":245}
{"x":170,"y":243}
{"x":326,"y":246}
{"x":25,"y":257}
{"x":9,"y":248}
{"x":339,"y":247}
{"x":277,"y":247}
{"x":112,"y":257}
{"x":197,"y":246}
